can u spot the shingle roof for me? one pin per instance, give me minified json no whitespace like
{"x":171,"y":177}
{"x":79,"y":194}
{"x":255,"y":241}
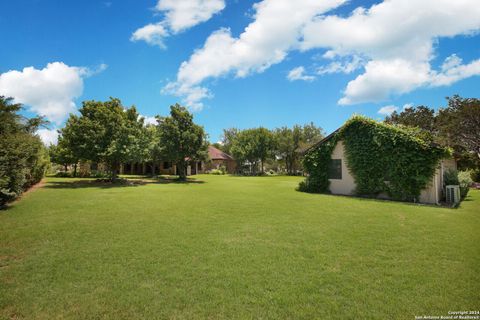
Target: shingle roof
{"x":216,"y":154}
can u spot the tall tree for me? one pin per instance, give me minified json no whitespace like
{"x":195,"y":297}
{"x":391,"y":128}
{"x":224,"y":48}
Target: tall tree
{"x":228,"y":137}
{"x":421,"y":117}
{"x":23,"y":157}
{"x":290,"y":140}
{"x":459,"y":123}
{"x":255,"y":146}
{"x":181,"y":139}
{"x":105,"y":132}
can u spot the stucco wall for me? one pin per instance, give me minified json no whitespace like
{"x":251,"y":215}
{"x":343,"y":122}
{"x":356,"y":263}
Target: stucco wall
{"x":347,"y":184}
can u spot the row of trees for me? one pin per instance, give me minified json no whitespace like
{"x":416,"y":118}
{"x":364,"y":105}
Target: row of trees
{"x":23,"y":157}
{"x":107,"y":132}
{"x":456,"y":126}
{"x":256,"y":146}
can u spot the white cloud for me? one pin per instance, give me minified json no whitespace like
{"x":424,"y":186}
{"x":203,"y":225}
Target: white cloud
{"x":395,"y":35}
{"x":298,"y":73}
{"x":346,"y":67}
{"x":387,"y":110}
{"x":407,"y":106}
{"x":453,"y":70}
{"x":384,"y":77}
{"x":148,"y":120}
{"x":392,"y":42}
{"x":48,"y":136}
{"x":275,"y":31}
{"x":191,"y":95}
{"x":151,"y":33}
{"x":178,"y":16}
{"x":184,"y":14}
{"x":50,"y":91}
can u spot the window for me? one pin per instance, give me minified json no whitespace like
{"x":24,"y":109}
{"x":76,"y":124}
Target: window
{"x":166,"y":165}
{"x":335,"y":169}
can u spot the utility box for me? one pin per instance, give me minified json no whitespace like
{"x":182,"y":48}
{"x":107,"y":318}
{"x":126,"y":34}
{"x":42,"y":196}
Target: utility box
{"x":453,"y":194}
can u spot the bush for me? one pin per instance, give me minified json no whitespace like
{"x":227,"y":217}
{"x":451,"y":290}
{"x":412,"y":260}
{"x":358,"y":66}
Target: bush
{"x":450,"y":178}
{"x":465,"y":181}
{"x":216,"y":172}
{"x":63,"y":174}
{"x":475,"y":175}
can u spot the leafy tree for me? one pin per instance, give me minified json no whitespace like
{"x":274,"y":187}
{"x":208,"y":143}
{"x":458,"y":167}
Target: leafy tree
{"x":181,"y":139}
{"x":459,"y":124}
{"x":63,"y":155}
{"x":421,"y":117}
{"x":23,"y":157}
{"x":228,"y":137}
{"x":455,"y":126}
{"x":106,"y":132}
{"x":289,"y":141}
{"x":255,"y":146}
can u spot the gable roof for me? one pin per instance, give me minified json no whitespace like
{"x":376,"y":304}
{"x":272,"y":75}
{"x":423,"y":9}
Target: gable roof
{"x":310,"y":147}
{"x":217,"y":154}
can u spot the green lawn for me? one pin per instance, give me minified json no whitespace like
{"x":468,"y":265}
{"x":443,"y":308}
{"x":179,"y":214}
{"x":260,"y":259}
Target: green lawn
{"x":232,"y":248}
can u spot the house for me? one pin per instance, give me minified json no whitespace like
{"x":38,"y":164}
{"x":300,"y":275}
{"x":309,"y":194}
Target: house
{"x":341,"y":175}
{"x":218,"y":158}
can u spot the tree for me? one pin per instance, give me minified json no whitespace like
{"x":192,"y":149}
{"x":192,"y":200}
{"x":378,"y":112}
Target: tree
{"x":23,"y":157}
{"x":459,"y":123}
{"x":421,"y":117}
{"x":181,"y":139}
{"x":228,"y":137}
{"x":289,"y":141}
{"x":105,"y":132}
{"x":255,"y":146}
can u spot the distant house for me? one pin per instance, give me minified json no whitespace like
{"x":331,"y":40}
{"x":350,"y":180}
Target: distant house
{"x":218,"y":158}
{"x":342,"y":180}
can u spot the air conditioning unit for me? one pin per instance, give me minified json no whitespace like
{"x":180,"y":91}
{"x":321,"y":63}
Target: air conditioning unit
{"x":453,"y":194}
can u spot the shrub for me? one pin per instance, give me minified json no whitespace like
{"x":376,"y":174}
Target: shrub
{"x":216,"y":172}
{"x":465,"y":181}
{"x":450,"y":178}
{"x":63,"y":174}
{"x":475,"y":175}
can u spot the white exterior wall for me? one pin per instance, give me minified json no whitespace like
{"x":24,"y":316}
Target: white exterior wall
{"x":346,"y":185}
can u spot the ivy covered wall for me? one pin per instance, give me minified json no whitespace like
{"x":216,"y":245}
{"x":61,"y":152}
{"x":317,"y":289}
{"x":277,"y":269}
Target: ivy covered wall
{"x":382,"y":158}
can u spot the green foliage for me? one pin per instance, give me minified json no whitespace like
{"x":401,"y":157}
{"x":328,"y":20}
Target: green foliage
{"x":216,"y":172}
{"x":105,"y":132}
{"x":290,"y":140}
{"x":23,"y":157}
{"x":255,"y":146}
{"x":465,"y":180}
{"x":181,"y":139}
{"x":316,"y":162}
{"x":450,"y":177}
{"x":381,"y":157}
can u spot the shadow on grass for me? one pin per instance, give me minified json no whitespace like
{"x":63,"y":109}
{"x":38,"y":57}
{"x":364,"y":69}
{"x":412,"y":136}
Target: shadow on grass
{"x":121,"y":183}
{"x":442,"y":205}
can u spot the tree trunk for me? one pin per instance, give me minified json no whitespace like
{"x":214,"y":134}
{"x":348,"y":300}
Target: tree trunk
{"x":182,"y":170}
{"x":114,"y":166}
{"x":75,"y":170}
{"x":261,"y":166}
{"x":153,"y":168}
{"x":66,"y":167}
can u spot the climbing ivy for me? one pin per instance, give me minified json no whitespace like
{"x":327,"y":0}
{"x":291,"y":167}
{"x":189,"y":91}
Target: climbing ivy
{"x":383,"y":159}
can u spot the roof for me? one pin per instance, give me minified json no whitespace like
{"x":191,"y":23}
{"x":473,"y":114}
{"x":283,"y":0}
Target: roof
{"x":217,"y":154}
{"x":308,"y":148}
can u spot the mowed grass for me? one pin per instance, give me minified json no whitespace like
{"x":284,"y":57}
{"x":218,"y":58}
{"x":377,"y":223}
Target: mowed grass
{"x":232,"y":248}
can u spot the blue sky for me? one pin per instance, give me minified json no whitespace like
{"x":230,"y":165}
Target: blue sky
{"x":265,"y":63}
